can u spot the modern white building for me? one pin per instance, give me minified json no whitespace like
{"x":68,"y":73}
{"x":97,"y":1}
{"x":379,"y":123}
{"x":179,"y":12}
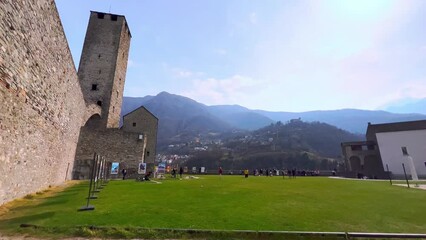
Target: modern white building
{"x":394,"y":144}
{"x":393,"y":137}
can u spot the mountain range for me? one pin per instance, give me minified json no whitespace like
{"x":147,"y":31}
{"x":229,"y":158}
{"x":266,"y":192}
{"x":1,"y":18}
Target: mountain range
{"x":408,"y":106}
{"x":181,"y":116}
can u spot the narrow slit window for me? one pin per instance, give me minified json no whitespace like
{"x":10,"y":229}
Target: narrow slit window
{"x":134,"y":124}
{"x":99,"y":103}
{"x":404,"y":151}
{"x":94,"y":87}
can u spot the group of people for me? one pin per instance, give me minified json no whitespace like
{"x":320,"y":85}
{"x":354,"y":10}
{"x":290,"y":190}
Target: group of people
{"x":291,"y":173}
{"x":146,"y":176}
{"x":174,"y":172}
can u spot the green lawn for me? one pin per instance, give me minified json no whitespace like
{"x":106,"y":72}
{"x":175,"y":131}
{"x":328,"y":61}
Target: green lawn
{"x":231,"y":203}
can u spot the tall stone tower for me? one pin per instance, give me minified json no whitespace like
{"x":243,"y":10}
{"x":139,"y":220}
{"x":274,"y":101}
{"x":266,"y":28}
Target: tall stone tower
{"x":103,"y":65}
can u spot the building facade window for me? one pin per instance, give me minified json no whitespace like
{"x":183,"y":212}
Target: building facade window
{"x":404,"y":151}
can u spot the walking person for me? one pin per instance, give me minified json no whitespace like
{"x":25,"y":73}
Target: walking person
{"x":124,"y":172}
{"x":180,"y":172}
{"x":174,"y":173}
{"x":220,"y":171}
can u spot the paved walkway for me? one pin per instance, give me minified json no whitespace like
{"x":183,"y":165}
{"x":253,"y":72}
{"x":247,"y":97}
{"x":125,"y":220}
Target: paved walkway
{"x":412,"y":185}
{"x":419,"y":186}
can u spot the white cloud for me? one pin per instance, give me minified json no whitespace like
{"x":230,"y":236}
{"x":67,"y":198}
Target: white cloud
{"x":182,"y":73}
{"x":415,"y":89}
{"x":253,"y":18}
{"x":232,"y":90}
{"x":178,"y":72}
{"x":338,"y":57}
{"x":131,"y":63}
{"x":221,"y":51}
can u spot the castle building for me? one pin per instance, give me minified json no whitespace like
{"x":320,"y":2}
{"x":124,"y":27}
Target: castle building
{"x":53,"y":118}
{"x":387,"y":147}
{"x":143,"y":122}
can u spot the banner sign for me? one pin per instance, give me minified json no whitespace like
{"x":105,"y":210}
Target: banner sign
{"x":161,"y":168}
{"x":114,"y":167}
{"x":142,"y":168}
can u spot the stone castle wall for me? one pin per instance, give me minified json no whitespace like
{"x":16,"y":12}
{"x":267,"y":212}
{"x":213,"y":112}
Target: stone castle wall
{"x":42,"y":107}
{"x":45,"y":103}
{"x":127,"y":150}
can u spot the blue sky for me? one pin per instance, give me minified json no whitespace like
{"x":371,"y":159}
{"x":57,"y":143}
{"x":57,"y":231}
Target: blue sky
{"x":272,"y":55}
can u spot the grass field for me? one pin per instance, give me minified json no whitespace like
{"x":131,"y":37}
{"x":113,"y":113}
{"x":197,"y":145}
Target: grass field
{"x":229,"y":203}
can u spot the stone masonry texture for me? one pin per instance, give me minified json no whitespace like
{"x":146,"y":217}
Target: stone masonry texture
{"x":143,"y":122}
{"x":127,"y":150}
{"x":51,"y":120}
{"x":103,"y":64}
{"x":41,"y":102}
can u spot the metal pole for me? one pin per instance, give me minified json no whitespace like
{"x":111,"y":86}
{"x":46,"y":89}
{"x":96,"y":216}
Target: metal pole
{"x":95,"y":176}
{"x":91,"y":177}
{"x":406,"y":179}
{"x":87,"y":207}
{"x":99,"y":174}
{"x":95,"y":163}
{"x":66,"y":173}
{"x":390,"y":177}
{"x":105,"y":172}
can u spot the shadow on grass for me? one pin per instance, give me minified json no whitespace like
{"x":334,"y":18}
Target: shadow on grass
{"x":15,"y":222}
{"x":46,"y":202}
{"x":53,"y":201}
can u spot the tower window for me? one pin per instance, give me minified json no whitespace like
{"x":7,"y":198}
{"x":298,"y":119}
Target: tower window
{"x":94,"y":87}
{"x":101,"y":15}
{"x":99,"y":56}
{"x":113,"y":17}
{"x":100,"y":71}
{"x":147,"y":153}
{"x":134,"y":124}
{"x":404,"y":151}
{"x":99,"y":103}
